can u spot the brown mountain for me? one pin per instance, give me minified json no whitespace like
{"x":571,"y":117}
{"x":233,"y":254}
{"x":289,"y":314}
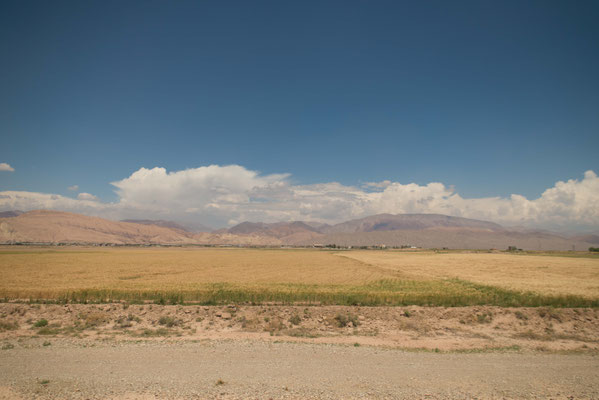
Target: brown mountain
{"x":590,"y":238}
{"x":391,"y":230}
{"x":42,"y":226}
{"x":390,"y":222}
{"x":286,"y":232}
{"x":438,"y":231}
{"x":277,"y":229}
{"x":193,"y":228}
{"x":157,"y":222}
{"x":455,"y":238}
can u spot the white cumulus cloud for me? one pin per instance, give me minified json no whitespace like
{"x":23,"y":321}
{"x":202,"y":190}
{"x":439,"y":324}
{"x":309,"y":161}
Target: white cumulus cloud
{"x":221,"y":195}
{"x":6,"y":167}
{"x":73,"y":188}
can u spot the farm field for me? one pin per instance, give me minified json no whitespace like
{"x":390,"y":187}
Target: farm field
{"x":549,"y":274}
{"x":224,"y":275}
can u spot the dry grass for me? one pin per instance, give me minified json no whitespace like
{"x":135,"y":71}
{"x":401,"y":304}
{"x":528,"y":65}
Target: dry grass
{"x":209,"y":275}
{"x":174,"y":268}
{"x":548,"y":275}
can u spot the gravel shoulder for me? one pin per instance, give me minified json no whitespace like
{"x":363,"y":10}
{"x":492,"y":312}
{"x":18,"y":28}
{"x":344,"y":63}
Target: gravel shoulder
{"x":256,"y":369}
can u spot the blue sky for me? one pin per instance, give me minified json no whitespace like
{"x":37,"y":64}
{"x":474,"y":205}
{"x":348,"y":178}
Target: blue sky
{"x":492,"y":98}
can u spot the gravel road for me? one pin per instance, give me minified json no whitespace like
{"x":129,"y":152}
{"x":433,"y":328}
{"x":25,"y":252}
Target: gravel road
{"x":263,"y":370}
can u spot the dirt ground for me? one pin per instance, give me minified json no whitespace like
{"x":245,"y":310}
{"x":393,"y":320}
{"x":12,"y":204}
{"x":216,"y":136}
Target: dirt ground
{"x":429,"y":328}
{"x":241,"y":369}
{"x":121,"y":351}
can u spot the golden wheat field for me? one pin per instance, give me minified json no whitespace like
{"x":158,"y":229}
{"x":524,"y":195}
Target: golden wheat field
{"x":539,"y":273}
{"x":290,"y":275}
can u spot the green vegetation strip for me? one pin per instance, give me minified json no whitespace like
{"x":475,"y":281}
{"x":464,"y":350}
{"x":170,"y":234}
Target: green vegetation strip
{"x":445,"y":293}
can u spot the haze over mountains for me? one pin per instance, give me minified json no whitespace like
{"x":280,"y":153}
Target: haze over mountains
{"x":421,"y":230}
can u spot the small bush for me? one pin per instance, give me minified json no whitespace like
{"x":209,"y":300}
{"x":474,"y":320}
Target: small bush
{"x":550,"y":313}
{"x":168,"y":321}
{"x":157,"y":332}
{"x":344,"y":320}
{"x":123,"y":323}
{"x":46,"y":330}
{"x":484,"y":318}
{"x":521,"y":315}
{"x":8,"y":346}
{"x":132,"y":317}
{"x":300,"y":332}
{"x":274,"y":325}
{"x":8,"y":326}
{"x":295,"y":320}
{"x":341,"y":320}
{"x":220,"y":382}
{"x":41,"y":323}
{"x":94,"y":319}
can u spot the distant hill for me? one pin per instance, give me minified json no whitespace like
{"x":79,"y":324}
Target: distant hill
{"x":590,"y":238}
{"x":55,"y":227}
{"x":456,"y":238}
{"x":419,"y":230}
{"x":43,"y":226}
{"x":390,"y":222}
{"x":278,"y":229}
{"x":10,"y":214}
{"x":287,"y":232}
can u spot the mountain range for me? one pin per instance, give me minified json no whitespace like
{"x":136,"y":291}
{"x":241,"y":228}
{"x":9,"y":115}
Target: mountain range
{"x":421,"y":230}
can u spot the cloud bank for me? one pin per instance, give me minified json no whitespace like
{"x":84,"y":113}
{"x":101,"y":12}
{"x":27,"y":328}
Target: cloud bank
{"x":224,"y":195}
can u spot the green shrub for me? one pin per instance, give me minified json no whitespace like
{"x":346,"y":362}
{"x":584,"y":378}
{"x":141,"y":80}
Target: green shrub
{"x":41,"y":323}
